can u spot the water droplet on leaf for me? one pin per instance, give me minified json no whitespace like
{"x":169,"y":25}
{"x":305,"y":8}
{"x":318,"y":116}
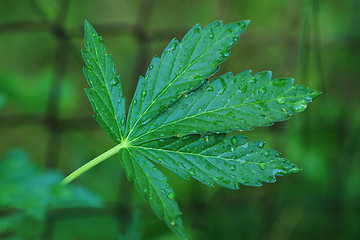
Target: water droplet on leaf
{"x":184,"y":106}
{"x":299,"y":106}
{"x":281,"y":100}
{"x":171,"y":196}
{"x":210,"y":88}
{"x":211,"y":34}
{"x":262,"y":165}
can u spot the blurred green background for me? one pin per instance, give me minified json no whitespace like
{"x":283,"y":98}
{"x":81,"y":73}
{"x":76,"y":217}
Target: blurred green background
{"x":46,"y":120}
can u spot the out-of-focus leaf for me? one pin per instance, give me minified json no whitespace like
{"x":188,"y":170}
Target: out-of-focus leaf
{"x":26,"y":192}
{"x":133,"y":231}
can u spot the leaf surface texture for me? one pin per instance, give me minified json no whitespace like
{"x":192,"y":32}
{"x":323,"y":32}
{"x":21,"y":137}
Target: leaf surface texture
{"x":105,"y":92}
{"x":179,"y":119}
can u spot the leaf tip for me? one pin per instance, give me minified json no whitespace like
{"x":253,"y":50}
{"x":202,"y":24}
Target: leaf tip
{"x":315,"y":94}
{"x":89,"y":30}
{"x":295,"y":169}
{"x":87,"y":26}
{"x":243,"y":24}
{"x":246,"y":22}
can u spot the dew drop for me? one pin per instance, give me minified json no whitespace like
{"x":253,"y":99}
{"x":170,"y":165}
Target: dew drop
{"x":171,"y":196}
{"x":234,"y":140}
{"x":184,"y":106}
{"x":210,"y":88}
{"x":192,"y":171}
{"x":278,"y":154}
{"x":252,"y":80}
{"x":236,"y":38}
{"x":225,"y":54}
{"x":281,"y":100}
{"x":115,"y":81}
{"x":243,"y":88}
{"x":220,"y":178}
{"x":267,"y":153}
{"x":232,"y":167}
{"x":151,"y":67}
{"x":261,"y":144}
{"x":262,"y":165}
{"x":143,"y":93}
{"x":211,"y":34}
{"x":299,"y":106}
{"x":123,"y":121}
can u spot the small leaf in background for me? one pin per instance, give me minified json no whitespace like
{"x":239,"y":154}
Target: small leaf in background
{"x":133,"y":230}
{"x":2,"y":101}
{"x":27,"y":194}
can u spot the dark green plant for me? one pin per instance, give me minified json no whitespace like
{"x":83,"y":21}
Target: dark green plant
{"x":178,"y":119}
{"x":27,"y":194}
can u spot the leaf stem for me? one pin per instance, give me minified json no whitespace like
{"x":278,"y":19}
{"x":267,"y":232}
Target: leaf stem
{"x":95,"y":162}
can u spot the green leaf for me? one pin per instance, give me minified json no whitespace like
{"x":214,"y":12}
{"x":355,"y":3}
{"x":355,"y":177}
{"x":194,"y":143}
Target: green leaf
{"x":153,"y":187}
{"x":215,"y":158}
{"x":105,"y":91}
{"x":28,"y":193}
{"x":183,"y":67}
{"x":133,"y":231}
{"x":239,"y":102}
{"x":2,"y":101}
{"x":178,"y":119}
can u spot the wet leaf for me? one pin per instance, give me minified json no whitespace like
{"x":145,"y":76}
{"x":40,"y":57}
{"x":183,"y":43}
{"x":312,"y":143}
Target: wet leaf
{"x":105,"y":93}
{"x":179,"y":120}
{"x":239,"y":102}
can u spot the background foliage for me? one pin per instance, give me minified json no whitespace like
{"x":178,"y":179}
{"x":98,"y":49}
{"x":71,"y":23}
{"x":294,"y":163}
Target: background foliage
{"x":45,"y":112}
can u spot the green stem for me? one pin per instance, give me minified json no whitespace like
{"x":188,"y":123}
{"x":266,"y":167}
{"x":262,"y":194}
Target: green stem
{"x":94,"y":162}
